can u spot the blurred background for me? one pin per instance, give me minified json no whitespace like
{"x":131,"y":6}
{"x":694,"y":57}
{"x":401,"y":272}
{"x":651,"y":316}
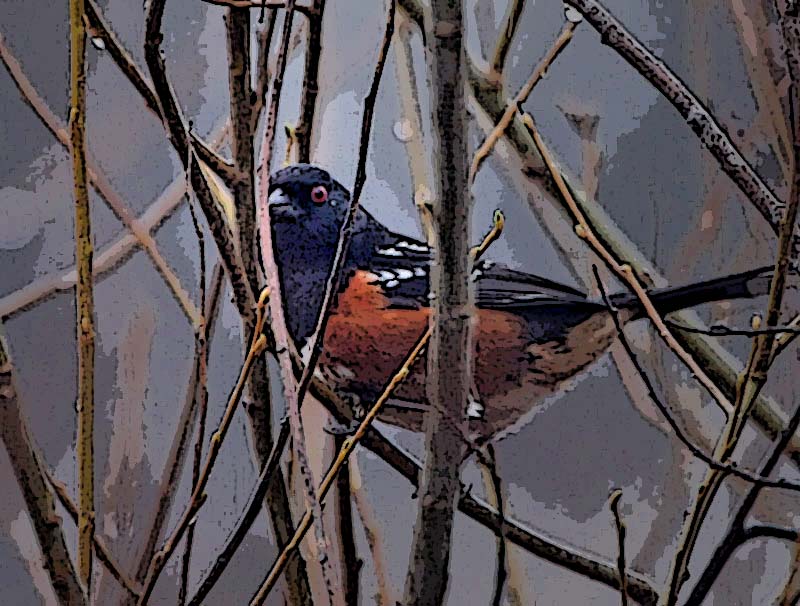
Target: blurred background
{"x":626,"y":148}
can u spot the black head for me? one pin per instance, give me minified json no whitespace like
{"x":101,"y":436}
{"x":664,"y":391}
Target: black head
{"x":307,"y":209}
{"x":308,"y":197}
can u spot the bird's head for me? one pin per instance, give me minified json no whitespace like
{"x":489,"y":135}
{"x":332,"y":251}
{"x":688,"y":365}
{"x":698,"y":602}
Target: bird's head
{"x":305,"y":199}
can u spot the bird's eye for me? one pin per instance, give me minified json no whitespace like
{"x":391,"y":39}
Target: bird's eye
{"x":319,"y":195}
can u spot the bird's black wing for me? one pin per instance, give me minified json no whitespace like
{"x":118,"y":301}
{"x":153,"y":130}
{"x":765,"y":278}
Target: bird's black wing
{"x":401,"y":266}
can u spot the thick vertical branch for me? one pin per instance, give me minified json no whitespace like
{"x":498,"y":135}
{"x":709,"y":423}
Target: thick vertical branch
{"x":237,"y":27}
{"x":449,"y":363}
{"x":308,"y":103}
{"x":30,"y":473}
{"x":84,"y":294}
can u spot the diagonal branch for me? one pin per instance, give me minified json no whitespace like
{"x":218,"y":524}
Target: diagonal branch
{"x":29,"y":469}
{"x":101,"y":29}
{"x":177,"y":134}
{"x":697,"y":115}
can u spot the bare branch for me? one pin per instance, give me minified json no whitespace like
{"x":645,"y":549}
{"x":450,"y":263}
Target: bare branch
{"x":84,"y":293}
{"x":257,"y":346}
{"x":29,"y":469}
{"x":510,"y":22}
{"x":515,"y":105}
{"x":101,"y":29}
{"x":177,"y":134}
{"x":697,"y":116}
{"x":450,"y":361}
{"x":351,"y":564}
{"x":624,"y":271}
{"x":98,"y":544}
{"x":270,"y":4}
{"x":613,"y":504}
{"x":752,"y":380}
{"x":308,"y":103}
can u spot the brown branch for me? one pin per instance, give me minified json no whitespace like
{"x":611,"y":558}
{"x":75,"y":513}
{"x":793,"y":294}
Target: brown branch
{"x":738,"y":533}
{"x":537,"y":544}
{"x":200,"y":380}
{"x":696,"y":115}
{"x":493,"y":482}
{"x":449,"y":363}
{"x":613,"y":504}
{"x":101,"y":29}
{"x":308,"y":103}
{"x":177,"y":134}
{"x":351,"y":564}
{"x":100,"y":182}
{"x":29,"y":470}
{"x":257,"y":346}
{"x":725,"y":468}
{"x":510,"y":23}
{"x":170,"y":477}
{"x":237,"y":27}
{"x":291,"y":391}
{"x":347,"y":447}
{"x":84,"y":294}
{"x":515,"y":105}
{"x":263,"y":73}
{"x":98,"y":544}
{"x":384,"y":595}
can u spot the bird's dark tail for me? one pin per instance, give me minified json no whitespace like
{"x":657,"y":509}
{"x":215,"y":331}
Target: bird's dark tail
{"x":745,"y":285}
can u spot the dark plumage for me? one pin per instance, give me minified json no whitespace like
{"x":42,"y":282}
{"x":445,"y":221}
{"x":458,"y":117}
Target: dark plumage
{"x":532,"y":333}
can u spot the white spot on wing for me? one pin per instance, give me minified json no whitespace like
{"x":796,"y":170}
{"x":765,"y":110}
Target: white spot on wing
{"x":390,"y":252}
{"x":392,"y":283}
{"x":404,"y":274}
{"x":412,"y":246}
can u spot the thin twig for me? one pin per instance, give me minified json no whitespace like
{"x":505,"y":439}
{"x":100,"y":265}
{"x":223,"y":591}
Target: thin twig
{"x":84,"y":293}
{"x":718,"y":330}
{"x":29,"y":470}
{"x":174,"y":123}
{"x":697,"y":116}
{"x":348,"y":446}
{"x":613,"y":504}
{"x":372,"y":531}
{"x":263,"y":72}
{"x":98,"y":544}
{"x":270,"y":4}
{"x":308,"y":103}
{"x":101,"y":29}
{"x":510,"y":23}
{"x":200,"y":379}
{"x":351,"y":564}
{"x":727,"y":468}
{"x":257,"y":346}
{"x":515,"y":105}
{"x":493,"y":481}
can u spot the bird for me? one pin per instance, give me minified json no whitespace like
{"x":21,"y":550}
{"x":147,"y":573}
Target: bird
{"x":531,"y":334}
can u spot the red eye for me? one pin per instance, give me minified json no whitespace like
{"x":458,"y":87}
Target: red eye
{"x":319,"y":195}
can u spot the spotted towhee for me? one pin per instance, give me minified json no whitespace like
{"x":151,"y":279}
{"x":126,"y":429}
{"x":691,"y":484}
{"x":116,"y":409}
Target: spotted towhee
{"x":532,"y":334}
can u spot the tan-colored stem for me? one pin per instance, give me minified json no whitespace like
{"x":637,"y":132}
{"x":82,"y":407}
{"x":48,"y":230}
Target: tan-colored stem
{"x":84,"y":295}
{"x":515,"y":105}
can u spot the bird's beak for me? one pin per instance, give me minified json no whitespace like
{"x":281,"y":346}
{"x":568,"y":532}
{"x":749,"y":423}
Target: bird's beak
{"x":280,"y":206}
